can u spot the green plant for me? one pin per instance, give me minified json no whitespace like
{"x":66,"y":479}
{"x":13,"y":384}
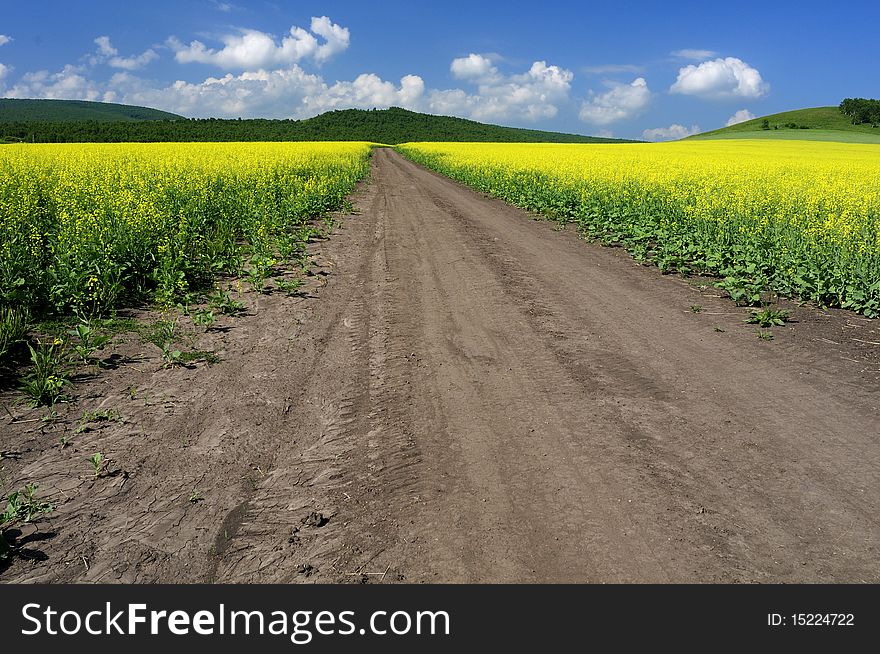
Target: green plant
{"x":22,"y":507}
{"x":291,"y":287}
{"x":45,"y":382}
{"x":89,"y":340}
{"x":163,"y":336}
{"x":204,"y":318}
{"x":199,"y":355}
{"x":696,"y":308}
{"x":744,"y":291}
{"x":195,"y":497}
{"x":223,"y":302}
{"x":261,"y":266}
{"x":13,"y":329}
{"x":98,"y":463}
{"x":103,"y":415}
{"x":768,"y":317}
{"x":764,"y":335}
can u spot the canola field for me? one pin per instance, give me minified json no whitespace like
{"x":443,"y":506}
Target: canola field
{"x":798,"y":218}
{"x":88,"y":228}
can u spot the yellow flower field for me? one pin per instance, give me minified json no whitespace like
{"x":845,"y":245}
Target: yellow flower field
{"x":798,"y":217}
{"x":91,"y":227}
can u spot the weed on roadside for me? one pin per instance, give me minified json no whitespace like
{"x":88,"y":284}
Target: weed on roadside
{"x":291,"y":287}
{"x":45,"y":382}
{"x":768,"y":317}
{"x":99,"y":463}
{"x":97,"y":416}
{"x":221,"y":301}
{"x":88,"y":340}
{"x":22,"y":507}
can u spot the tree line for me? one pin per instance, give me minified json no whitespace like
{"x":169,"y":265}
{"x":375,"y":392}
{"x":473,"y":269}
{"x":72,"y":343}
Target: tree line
{"x":390,"y":126}
{"x":861,"y":110}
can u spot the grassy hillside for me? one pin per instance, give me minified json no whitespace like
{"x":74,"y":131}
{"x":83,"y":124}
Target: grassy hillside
{"x":12,"y":111}
{"x":815,"y":124}
{"x":391,"y":126}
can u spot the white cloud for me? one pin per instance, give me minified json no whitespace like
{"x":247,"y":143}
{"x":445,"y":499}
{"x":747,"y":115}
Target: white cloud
{"x":252,"y":49}
{"x":740,"y":116}
{"x":4,"y":71}
{"x":260,"y":86}
{"x":690,"y":53}
{"x":720,"y":79}
{"x":474,"y":66}
{"x":365,"y":92}
{"x":283,"y":93}
{"x":225,"y":7}
{"x":68,"y":84}
{"x":671,"y":133}
{"x":533,"y":95}
{"x":5,"y":39}
{"x":336,"y":38}
{"x":133,"y":63}
{"x":105,"y":48}
{"x":108,"y":54}
{"x":292,"y":92}
{"x":621,"y":101}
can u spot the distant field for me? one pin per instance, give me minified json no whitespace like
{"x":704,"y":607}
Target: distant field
{"x":824,"y":123}
{"x":839,"y":136}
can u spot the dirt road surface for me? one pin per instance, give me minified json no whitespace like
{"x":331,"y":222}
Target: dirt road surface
{"x":470,"y":395}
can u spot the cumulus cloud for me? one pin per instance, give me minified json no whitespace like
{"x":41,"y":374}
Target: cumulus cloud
{"x":293,"y":92}
{"x":265,"y":77}
{"x":4,"y":71}
{"x":366,"y":91}
{"x":474,"y":66}
{"x":68,"y":84}
{"x":252,"y":49}
{"x":283,"y":93}
{"x":530,"y":96}
{"x":690,"y":53}
{"x":720,"y":79}
{"x":740,"y":116}
{"x":5,"y":39}
{"x":107,"y":53}
{"x":671,"y":133}
{"x":105,"y":47}
{"x":619,"y":102}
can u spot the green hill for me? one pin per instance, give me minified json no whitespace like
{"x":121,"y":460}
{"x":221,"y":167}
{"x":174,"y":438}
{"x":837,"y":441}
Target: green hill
{"x":395,"y":125}
{"x":390,"y":126}
{"x":816,"y":124}
{"x":12,"y":111}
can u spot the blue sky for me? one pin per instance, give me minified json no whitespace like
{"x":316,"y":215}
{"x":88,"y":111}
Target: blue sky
{"x":627,"y":69}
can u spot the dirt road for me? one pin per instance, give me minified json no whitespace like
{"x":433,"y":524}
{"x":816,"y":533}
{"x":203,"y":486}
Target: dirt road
{"x":474,"y":396}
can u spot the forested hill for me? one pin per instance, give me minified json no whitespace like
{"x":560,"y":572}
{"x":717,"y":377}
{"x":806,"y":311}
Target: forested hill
{"x":13,"y":110}
{"x":390,"y":126}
